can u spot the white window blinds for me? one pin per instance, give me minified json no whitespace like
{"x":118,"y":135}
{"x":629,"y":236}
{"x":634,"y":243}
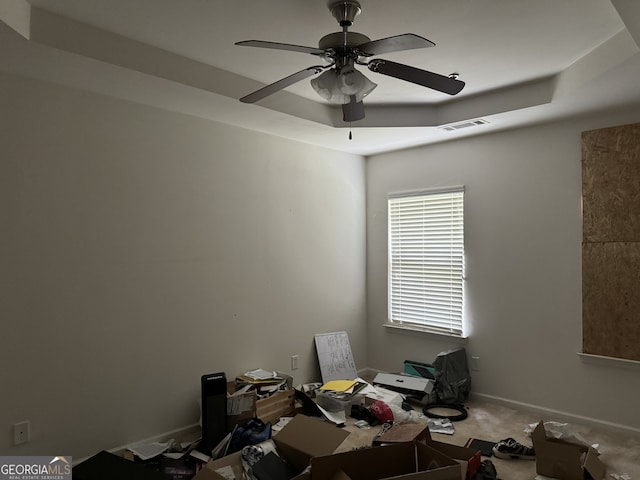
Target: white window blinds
{"x":426,"y":260}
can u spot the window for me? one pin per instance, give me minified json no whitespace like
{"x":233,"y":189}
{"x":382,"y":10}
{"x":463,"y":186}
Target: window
{"x":426,"y":260}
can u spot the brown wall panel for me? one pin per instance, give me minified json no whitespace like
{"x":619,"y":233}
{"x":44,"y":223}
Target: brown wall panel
{"x":611,"y":241}
{"x":611,"y":184}
{"x":611,"y":299}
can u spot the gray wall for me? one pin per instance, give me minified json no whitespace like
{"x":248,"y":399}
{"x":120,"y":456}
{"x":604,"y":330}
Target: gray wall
{"x":523,"y":231}
{"x":141,"y":249}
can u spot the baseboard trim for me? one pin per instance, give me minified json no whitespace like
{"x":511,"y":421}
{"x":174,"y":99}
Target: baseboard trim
{"x":558,"y":415}
{"x":189,"y":432}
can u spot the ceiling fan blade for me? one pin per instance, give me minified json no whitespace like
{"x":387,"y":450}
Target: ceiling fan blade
{"x":353,"y":110}
{"x":415,"y":75}
{"x":280,"y":84}
{"x":406,"y":41}
{"x":281,"y":46}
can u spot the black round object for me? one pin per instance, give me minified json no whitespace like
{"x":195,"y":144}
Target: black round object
{"x":454,"y":418}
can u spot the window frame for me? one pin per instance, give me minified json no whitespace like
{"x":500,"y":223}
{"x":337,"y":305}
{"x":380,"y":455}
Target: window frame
{"x":451,"y":323}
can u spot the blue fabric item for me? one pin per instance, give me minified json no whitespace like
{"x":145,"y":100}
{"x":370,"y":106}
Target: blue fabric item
{"x":251,"y":433}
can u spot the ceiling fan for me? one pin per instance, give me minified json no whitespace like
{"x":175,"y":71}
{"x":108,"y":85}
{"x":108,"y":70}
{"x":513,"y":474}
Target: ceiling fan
{"x":340,"y":82}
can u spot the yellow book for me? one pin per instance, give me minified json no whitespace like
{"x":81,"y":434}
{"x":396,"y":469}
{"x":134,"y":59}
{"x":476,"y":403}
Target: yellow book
{"x":338,"y":385}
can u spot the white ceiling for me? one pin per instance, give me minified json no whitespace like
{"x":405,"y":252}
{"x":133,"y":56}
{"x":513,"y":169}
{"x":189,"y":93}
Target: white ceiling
{"x":522,"y":61}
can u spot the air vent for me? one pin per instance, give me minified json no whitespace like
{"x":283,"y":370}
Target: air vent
{"x":457,"y":126}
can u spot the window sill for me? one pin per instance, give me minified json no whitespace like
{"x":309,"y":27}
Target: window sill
{"x":609,"y":361}
{"x":417,"y":331}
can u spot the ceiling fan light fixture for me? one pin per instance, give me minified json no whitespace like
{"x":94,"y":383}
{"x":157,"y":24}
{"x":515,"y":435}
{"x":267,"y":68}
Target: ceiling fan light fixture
{"x":326,"y":85}
{"x":338,"y":87}
{"x":353,"y":82}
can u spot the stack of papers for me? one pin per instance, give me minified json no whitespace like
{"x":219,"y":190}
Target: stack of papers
{"x":259,"y":377}
{"x":263,"y":379}
{"x":264,"y":382}
{"x":260,"y":374}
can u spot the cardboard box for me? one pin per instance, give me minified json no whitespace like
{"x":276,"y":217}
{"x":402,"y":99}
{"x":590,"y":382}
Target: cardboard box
{"x":406,"y":461}
{"x":109,"y":465}
{"x":404,"y":432}
{"x":297,"y":443}
{"x":273,"y":407}
{"x":229,"y":467}
{"x":241,"y":407}
{"x":468,"y":458}
{"x":565,"y":460}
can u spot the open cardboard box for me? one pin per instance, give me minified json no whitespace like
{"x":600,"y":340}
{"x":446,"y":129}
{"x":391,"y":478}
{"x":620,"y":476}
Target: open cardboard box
{"x":565,"y":460}
{"x":404,"y":432}
{"x":241,"y":407}
{"x":468,"y":458}
{"x":406,"y":461}
{"x":297,"y":443}
{"x":277,"y":405}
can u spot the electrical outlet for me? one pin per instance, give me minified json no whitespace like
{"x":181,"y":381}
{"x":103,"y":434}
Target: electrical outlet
{"x":21,"y":432}
{"x":475,"y":364}
{"x":294,"y":362}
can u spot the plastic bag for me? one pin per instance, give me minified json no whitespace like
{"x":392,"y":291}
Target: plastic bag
{"x":453,"y":381}
{"x":391,"y":413}
{"x":406,"y":416}
{"x":560,"y":431}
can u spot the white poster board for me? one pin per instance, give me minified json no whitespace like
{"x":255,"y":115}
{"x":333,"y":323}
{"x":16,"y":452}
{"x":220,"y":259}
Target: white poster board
{"x":334,"y":355}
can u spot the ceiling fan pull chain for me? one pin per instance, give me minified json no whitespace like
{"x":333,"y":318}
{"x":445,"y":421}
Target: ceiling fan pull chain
{"x":350,"y":136}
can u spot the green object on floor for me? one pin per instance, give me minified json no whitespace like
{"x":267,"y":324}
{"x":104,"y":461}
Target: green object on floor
{"x":419,"y":369}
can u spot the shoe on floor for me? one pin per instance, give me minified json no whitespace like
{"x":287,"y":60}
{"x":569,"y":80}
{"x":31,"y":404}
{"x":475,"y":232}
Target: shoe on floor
{"x":510,"y":449}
